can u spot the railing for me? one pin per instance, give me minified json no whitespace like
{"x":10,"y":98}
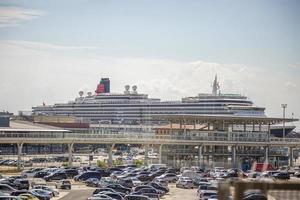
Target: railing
{"x":146,"y":136}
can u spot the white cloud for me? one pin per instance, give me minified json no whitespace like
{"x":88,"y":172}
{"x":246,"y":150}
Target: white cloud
{"x":42,"y":46}
{"x":13,"y":16}
{"x":31,"y":75}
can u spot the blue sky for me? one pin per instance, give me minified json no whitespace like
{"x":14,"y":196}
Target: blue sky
{"x":259,"y":32}
{"x":252,"y":45}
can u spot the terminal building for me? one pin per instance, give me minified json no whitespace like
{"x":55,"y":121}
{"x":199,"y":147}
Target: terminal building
{"x":227,"y":141}
{"x":188,"y":140}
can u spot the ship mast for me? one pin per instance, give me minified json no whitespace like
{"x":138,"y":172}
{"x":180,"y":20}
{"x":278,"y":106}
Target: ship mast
{"x":215,"y":86}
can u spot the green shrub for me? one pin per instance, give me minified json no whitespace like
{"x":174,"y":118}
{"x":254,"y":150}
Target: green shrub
{"x":117,"y":162}
{"x":102,"y":164}
{"x":139,"y":163}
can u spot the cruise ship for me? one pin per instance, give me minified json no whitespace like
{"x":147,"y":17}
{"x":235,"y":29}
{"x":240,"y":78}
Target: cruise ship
{"x":131,"y":107}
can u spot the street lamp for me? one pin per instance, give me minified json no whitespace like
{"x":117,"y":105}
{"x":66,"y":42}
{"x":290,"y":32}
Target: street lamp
{"x":284,"y":106}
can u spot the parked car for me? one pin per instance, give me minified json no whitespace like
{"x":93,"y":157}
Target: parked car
{"x":169,"y":177}
{"x":149,"y":190}
{"x":113,"y":195}
{"x":19,"y":192}
{"x":254,"y":195}
{"x":21,"y":184}
{"x":63,"y":184}
{"x":71,"y":172}
{"x":144,"y":177}
{"x":104,"y":181}
{"x":282,"y":176}
{"x":38,"y":181}
{"x":98,"y":190}
{"x":86,"y":175}
{"x":136,"y":197}
{"x":159,"y":187}
{"x":41,"y":194}
{"x":100,"y":197}
{"x":119,"y":188}
{"x":30,"y":172}
{"x":43,"y":187}
{"x":92,"y":182}
{"x":6,"y":189}
{"x":185,"y":183}
{"x":56,"y":176}
{"x":206,"y":194}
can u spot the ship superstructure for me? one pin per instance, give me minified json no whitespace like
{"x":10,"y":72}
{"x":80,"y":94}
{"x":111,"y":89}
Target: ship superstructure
{"x":132,"y":107}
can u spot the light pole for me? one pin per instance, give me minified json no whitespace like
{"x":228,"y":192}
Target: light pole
{"x":284,"y":106}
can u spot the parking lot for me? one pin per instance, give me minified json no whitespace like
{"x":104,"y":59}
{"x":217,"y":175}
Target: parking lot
{"x":155,"y":181}
{"x":82,"y":193}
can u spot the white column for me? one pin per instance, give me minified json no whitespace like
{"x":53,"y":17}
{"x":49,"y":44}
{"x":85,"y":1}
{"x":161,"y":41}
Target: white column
{"x":200,"y":156}
{"x":160,"y":153}
{"x":291,"y":156}
{"x":70,"y":154}
{"x":266,"y":154}
{"x":233,"y":151}
{"x":20,"y":147}
{"x":146,"y":155}
{"x":110,"y":157}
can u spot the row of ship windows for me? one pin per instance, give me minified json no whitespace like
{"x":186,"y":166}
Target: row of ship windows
{"x":139,"y":115}
{"x":108,"y":104}
{"x":132,"y":109}
{"x":150,"y":112}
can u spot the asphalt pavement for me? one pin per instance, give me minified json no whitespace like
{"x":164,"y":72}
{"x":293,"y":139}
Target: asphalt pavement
{"x":78,"y":194}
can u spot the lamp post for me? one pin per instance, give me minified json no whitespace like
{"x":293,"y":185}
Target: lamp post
{"x":284,"y":106}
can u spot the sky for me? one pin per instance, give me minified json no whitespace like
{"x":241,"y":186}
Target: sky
{"x":50,"y":50}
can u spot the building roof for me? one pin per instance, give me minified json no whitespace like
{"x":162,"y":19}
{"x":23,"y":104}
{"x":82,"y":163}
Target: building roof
{"x":188,"y":127}
{"x":192,"y":119}
{"x":25,"y":126}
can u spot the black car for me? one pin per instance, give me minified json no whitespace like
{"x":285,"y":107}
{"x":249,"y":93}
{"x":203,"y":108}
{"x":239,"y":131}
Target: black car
{"x":254,"y":195}
{"x":98,"y":190}
{"x":144,"y":177}
{"x":159,"y":187}
{"x":56,"y":176}
{"x":127,"y":182}
{"x":119,"y":188}
{"x":41,"y":174}
{"x":149,"y":191}
{"x":71,"y":172}
{"x":18,"y":192}
{"x":282,"y":176}
{"x":21,"y":184}
{"x":86,"y":175}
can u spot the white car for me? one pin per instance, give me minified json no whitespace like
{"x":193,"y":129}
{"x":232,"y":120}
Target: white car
{"x":43,"y":187}
{"x":100,"y":197}
{"x":206,"y":194}
{"x":38,"y":181}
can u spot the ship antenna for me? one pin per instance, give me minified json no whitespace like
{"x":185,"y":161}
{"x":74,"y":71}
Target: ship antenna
{"x":215,"y":86}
